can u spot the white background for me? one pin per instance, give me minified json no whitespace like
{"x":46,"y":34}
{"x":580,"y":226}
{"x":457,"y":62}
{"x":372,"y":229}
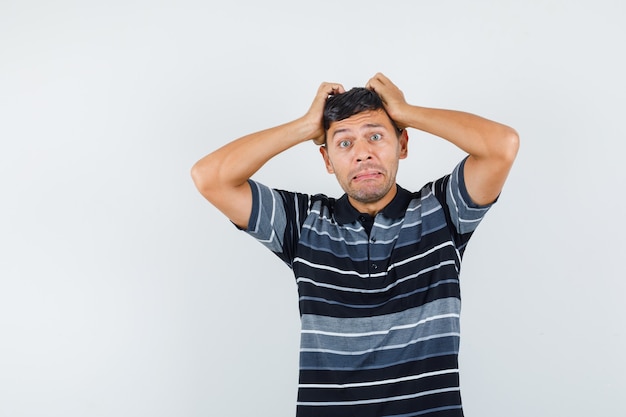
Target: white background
{"x":124,"y":293}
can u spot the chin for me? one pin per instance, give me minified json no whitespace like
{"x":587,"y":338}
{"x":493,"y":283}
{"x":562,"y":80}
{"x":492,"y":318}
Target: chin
{"x":368,"y":196}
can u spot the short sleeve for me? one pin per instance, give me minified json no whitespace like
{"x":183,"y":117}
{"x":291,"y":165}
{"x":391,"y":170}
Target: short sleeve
{"x":464,"y":213}
{"x":276,"y":219}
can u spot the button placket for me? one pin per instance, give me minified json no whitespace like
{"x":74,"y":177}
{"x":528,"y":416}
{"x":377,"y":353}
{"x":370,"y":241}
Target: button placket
{"x":373,"y":265}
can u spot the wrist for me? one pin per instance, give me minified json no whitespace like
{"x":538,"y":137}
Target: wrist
{"x":309,"y":128}
{"x":408,"y":116}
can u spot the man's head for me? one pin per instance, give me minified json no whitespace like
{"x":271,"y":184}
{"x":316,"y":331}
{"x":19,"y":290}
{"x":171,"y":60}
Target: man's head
{"x":356,"y":100}
{"x":363,"y":148}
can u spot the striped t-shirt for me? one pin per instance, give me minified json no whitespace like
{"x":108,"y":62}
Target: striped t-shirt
{"x":379,"y":297}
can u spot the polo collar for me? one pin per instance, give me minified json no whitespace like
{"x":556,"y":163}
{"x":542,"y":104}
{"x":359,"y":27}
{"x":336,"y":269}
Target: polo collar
{"x":345,"y":213}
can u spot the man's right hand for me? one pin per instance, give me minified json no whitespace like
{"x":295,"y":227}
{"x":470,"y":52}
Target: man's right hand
{"x":222,"y":176}
{"x":315,"y":114}
{"x":392,"y":97}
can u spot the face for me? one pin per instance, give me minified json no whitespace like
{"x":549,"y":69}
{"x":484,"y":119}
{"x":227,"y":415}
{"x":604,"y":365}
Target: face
{"x":363,"y":151}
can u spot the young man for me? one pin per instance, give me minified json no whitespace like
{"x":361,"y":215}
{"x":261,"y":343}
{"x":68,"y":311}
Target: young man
{"x":377,"y":270}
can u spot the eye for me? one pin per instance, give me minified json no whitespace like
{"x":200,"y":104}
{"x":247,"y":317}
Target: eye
{"x":376,"y":137}
{"x":344,"y":143}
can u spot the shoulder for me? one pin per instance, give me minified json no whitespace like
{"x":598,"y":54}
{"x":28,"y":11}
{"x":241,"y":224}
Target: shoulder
{"x":322,"y":205}
{"x":267,"y":195}
{"x":322,"y":200}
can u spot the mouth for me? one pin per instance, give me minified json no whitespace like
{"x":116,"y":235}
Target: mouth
{"x":367,"y":175}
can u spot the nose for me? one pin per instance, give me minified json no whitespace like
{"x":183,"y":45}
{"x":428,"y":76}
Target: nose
{"x":362,"y":151}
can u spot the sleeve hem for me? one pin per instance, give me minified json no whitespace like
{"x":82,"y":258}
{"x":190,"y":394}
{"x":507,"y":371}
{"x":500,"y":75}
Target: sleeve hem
{"x":463,"y":189}
{"x":254,"y":213}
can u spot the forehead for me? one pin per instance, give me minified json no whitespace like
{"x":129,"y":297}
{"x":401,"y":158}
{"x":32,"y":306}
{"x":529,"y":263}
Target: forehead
{"x":362,"y":120}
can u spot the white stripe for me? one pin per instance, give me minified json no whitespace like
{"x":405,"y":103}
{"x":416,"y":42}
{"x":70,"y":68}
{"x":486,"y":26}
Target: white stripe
{"x":465,"y":203}
{"x":462,"y":220}
{"x":335,"y":238}
{"x":411,"y":225}
{"x":383,"y":226}
{"x":431,"y":211}
{"x":319,"y":213}
{"x":332,"y":221}
{"x":417,"y":207}
{"x":390,"y":347}
{"x":297,"y":212}
{"x":337,"y":270}
{"x":380,"y":400}
{"x":451,"y":194}
{"x":271,"y":239}
{"x":380,"y":274}
{"x":421,"y":255}
{"x":383,"y":382}
{"x":377,"y":290}
{"x":384,"y":332}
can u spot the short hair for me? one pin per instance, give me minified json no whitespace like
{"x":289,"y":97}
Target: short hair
{"x":356,"y":100}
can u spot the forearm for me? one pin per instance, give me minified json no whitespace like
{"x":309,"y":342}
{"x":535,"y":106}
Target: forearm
{"x":491,"y":146}
{"x":222,"y":176}
{"x":479,"y":137}
{"x":233,"y":164}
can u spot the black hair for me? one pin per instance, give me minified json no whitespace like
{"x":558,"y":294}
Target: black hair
{"x":356,"y":100}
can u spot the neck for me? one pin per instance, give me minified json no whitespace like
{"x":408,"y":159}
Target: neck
{"x":374,"y":207}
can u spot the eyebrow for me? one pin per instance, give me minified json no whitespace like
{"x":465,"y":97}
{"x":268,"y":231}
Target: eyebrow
{"x":364,"y":127}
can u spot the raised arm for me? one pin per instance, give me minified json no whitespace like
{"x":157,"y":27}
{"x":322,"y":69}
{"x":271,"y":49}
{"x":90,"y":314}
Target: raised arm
{"x":222,"y":176}
{"x":491,"y":146}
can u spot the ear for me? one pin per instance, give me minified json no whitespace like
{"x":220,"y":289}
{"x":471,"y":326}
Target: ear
{"x":404,"y":144}
{"x":329,"y":165}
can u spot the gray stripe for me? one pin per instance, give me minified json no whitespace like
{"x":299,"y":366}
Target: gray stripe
{"x":269,"y":233}
{"x":368,"y":366}
{"x":428,"y":411}
{"x":391,"y":338}
{"x":380,"y":323}
{"x":381,"y":358}
{"x":465,"y":215}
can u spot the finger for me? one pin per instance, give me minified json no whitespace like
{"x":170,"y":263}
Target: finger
{"x":382,"y":78}
{"x":319,"y":140}
{"x":337,"y":89}
{"x":374,"y":85}
{"x":332,"y":88}
{"x":376,"y":82}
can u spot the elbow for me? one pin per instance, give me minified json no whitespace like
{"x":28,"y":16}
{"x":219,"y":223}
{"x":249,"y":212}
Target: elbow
{"x":511,"y":145}
{"x":212,"y":177}
{"x":200,"y":175}
{"x":195,"y":171}
{"x":195,"y":174}
{"x":507,"y":146}
{"x":500,"y":148}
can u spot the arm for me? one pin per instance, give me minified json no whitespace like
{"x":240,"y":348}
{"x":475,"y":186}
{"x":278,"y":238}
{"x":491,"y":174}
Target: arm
{"x":222,"y":176}
{"x":491,"y":146}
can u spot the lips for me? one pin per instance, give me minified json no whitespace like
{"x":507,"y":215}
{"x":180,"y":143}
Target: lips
{"x":366,"y":175}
